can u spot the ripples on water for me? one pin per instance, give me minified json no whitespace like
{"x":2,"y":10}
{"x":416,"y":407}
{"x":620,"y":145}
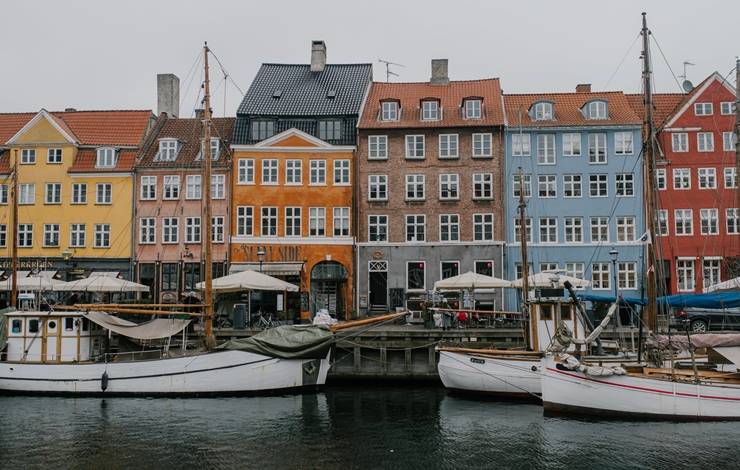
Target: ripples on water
{"x":344,"y":428}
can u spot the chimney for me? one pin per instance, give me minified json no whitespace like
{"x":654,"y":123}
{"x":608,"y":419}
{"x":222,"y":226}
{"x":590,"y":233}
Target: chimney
{"x":69,"y":110}
{"x":439,"y":72}
{"x":318,"y":56}
{"x":168,"y":94}
{"x":583,"y":88}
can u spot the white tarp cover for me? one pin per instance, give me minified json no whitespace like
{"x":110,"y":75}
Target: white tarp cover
{"x":553,"y":280}
{"x":248,"y":280}
{"x":101,"y":282}
{"x":732,"y":284}
{"x":153,"y":329}
{"x":471,"y":280}
{"x":701,"y":340}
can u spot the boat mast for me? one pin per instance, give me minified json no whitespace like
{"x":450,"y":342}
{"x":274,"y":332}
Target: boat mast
{"x":206,"y":206}
{"x":14,"y":236}
{"x":737,"y":130}
{"x":648,"y":158}
{"x":523,"y":234}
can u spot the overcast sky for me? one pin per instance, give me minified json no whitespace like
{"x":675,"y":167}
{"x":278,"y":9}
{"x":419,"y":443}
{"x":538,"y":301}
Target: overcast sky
{"x":105,"y":54}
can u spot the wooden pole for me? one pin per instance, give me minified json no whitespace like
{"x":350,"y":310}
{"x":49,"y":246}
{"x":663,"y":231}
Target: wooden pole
{"x":523,"y":234}
{"x":14,"y":236}
{"x":366,"y":321}
{"x":737,"y":133}
{"x":206,"y":207}
{"x":132,"y":311}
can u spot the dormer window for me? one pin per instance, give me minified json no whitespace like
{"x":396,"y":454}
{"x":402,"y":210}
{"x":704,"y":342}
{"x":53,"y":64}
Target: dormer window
{"x":543,"y":111}
{"x":389,"y":111}
{"x":167,"y":150}
{"x":262,"y":129}
{"x":430,"y":110}
{"x":215,"y":149}
{"x":106,"y":158}
{"x":596,"y":110}
{"x":472,"y":109}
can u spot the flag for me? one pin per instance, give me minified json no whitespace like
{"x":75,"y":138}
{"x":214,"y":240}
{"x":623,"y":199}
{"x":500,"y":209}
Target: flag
{"x":646,"y":239}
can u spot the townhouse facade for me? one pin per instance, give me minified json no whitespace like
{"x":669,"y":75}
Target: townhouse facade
{"x":579,"y":158}
{"x":428,"y":188}
{"x":292,"y":177}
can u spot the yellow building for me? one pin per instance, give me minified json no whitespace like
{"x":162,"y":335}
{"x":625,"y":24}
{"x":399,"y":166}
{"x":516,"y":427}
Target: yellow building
{"x":75,"y":188}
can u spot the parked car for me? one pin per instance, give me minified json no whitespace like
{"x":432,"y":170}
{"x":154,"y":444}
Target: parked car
{"x":700,"y":320}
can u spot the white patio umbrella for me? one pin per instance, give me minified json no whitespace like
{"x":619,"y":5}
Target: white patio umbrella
{"x":7,"y":284}
{"x":550,"y":279}
{"x":101,"y":283}
{"x":732,"y":284}
{"x":248,"y":281}
{"x":471,"y":281}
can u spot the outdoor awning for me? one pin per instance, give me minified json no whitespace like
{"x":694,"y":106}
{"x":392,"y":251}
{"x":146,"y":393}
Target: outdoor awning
{"x":470,"y":280}
{"x":273,"y":268}
{"x":101,"y":283}
{"x":248,"y":280}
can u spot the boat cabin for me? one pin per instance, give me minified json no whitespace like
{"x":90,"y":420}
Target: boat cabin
{"x":546,"y":314}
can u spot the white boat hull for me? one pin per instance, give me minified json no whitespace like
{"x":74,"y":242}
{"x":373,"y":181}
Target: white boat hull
{"x":490,"y":375}
{"x":220,"y":372}
{"x":629,"y":396}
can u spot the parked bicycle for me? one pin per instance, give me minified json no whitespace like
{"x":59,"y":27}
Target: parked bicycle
{"x":264,"y":321}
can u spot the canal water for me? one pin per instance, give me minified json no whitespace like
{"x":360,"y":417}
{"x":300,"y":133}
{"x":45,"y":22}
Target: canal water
{"x":342,"y":428}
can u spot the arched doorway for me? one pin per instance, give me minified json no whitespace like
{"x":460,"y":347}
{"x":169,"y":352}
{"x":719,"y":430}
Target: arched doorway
{"x":328,"y":280}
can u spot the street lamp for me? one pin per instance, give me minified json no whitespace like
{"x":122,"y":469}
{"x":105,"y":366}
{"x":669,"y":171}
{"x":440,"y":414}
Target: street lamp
{"x":614,"y":254}
{"x":261,"y":256}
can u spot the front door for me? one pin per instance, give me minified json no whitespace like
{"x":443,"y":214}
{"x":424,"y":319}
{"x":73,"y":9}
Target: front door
{"x":378,"y":290}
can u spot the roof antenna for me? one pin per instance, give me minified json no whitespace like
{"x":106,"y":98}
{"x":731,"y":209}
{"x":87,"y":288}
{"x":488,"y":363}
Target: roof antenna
{"x":388,"y":71}
{"x":686,"y":84}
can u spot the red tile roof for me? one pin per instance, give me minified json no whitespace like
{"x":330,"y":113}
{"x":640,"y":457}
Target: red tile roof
{"x":451,"y":98}
{"x":11,"y":123}
{"x":664,"y":104}
{"x":86,"y":158}
{"x":567,"y":109}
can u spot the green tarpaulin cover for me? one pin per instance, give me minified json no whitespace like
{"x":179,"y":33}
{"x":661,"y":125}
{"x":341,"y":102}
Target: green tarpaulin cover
{"x":287,"y":342}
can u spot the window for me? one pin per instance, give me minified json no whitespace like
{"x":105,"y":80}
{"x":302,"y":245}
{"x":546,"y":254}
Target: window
{"x":170,"y":229}
{"x":663,"y":222}
{"x":245,"y":171}
{"x":415,"y":187}
{"x":330,"y":130}
{"x":262,"y":130}
{"x":77,"y":235}
{"x":660,"y":179}
{"x":217,"y":231}
{"x":547,"y":186}
{"x":482,"y":185}
{"x":681,"y":178}
{"x":625,"y":184}
{"x":728,"y":141}
{"x":680,"y":142}
{"x":27,"y":193}
{"x":574,"y":230}
{"x":316,"y":221}
{"x":449,"y":269}
{"x":625,"y":229}
{"x":318,"y":172}
{"x":54,"y":156}
{"x":103,"y":193}
{"x":218,"y":186}
{"x":527,"y":185}
{"x":341,"y":172}
{"x":707,"y":178}
{"x":572,"y":186}
{"x":730,"y":177}
{"x":389,"y":111}
{"x":79,"y":193}
{"x":293,"y":222}
{"x":430,"y":110}
{"x":598,"y":185}
{"x":377,"y":228}
{"x":599,"y":229}
{"x":546,"y":149}
{"x":414,"y":146}
{"x":597,"y":148}
{"x":167,"y":150}
{"x":193,"y":187}
{"x":543,"y":112}
{"x":627,"y":275}
{"x":415,"y":228}
{"x":703,"y":109}
{"x":293,"y":172}
{"x":415,"y":275}
{"x":25,"y":235}
{"x":3,"y":193}
{"x":449,"y":187}
{"x":244,"y":221}
{"x":472,"y":109}
{"x":572,"y":145}
{"x":709,"y":221}
{"x":148,"y":188}
{"x":711,"y":272}
{"x":733,"y":221}
{"x":269,"y":222}
{"x":705,"y":141}
{"x":377,"y":147}
{"x":341,"y":222}
{"x":521,"y":145}
{"x":482,"y":227}
{"x":600,"y":276}
{"x":482,"y":145}
{"x":192,"y":230}
{"x":377,"y":187}
{"x":51,"y":235}
{"x":147,"y":230}
{"x":548,"y":230}
{"x":106,"y":158}
{"x":685,"y":271}
{"x":215,"y":149}
{"x":102,"y":235}
{"x":727,"y":107}
{"x":269,"y":172}
{"x":28,"y":156}
{"x":169,"y":276}
{"x":518,"y":230}
{"x":449,"y":227}
{"x":683,"y":221}
{"x":191,"y":275}
{"x":53,"y":193}
{"x":545,"y":267}
{"x":484,"y":267}
{"x":596,"y":110}
{"x":3,"y":235}
{"x":576,"y":270}
{"x":623,"y":143}
{"x":171,"y":187}
{"x":448,"y":146}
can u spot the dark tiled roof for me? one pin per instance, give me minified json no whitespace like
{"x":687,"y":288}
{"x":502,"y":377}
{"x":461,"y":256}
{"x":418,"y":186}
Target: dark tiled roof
{"x":304,"y":93}
{"x":567,"y":109}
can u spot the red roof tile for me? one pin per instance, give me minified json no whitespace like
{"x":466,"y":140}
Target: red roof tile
{"x":567,"y":109}
{"x":451,"y":98}
{"x":86,"y":158}
{"x":11,"y":123}
{"x":115,"y":128}
{"x":664,"y":104}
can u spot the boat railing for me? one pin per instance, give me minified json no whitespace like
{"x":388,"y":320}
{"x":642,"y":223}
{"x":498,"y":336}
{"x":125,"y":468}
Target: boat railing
{"x":133,"y":356}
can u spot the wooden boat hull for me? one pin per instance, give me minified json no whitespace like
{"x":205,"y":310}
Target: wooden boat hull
{"x":214,"y":373}
{"x":635,"y":397}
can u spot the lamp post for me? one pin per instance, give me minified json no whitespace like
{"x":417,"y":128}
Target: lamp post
{"x":615,"y":254}
{"x":261,"y":256}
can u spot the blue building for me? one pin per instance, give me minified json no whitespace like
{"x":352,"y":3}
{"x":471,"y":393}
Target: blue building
{"x":580,"y":158}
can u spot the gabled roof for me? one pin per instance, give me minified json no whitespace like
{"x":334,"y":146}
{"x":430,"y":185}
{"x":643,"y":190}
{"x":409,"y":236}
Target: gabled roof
{"x":451,"y":98}
{"x":691,"y":97}
{"x":567,"y":109}
{"x":305,"y":93}
{"x":663,"y":105}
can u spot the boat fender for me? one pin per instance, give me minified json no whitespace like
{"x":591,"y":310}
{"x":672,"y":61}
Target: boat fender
{"x":534,"y":368}
{"x":104,"y":381}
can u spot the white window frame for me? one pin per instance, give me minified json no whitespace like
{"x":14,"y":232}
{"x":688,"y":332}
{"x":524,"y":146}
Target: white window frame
{"x":53,"y":230}
{"x":105,"y":157}
{"x":601,"y":225}
{"x":482,"y":145}
{"x":732,"y":221}
{"x":412,"y":146}
{"x":28,"y":157}
{"x":193,"y":187}
{"x":709,"y":221}
{"x":52,"y":193}
{"x":377,"y":147}
{"x":147,"y":230}
{"x":430,"y":110}
{"x":292,"y":215}
{"x":317,"y":173}
{"x":374,"y":223}
{"x":663,"y":223}
{"x":602,"y":182}
{"x":171,"y":187}
{"x":316,"y":222}
{"x":730,"y":177}
{"x":167,"y":150}
{"x":101,"y":235}
{"x":416,"y":224}
{"x":626,"y":229}
{"x":245,"y":171}
{"x":572,"y":144}
{"x":54,"y":156}
{"x":446,"y":148}
{"x":703,"y":109}
{"x":270,"y":215}
{"x":376,"y":183}
{"x":449,"y":227}
{"x":686,"y":274}
{"x":77,"y":235}
{"x":484,"y":223}
{"x":389,"y":111}
{"x":79,"y":194}
{"x":170,"y":230}
{"x":627,"y":182}
{"x":597,"y":110}
{"x":521,"y":145}
{"x":413,"y":183}
{"x":682,"y":176}
{"x":104,"y":201}
{"x":245,"y":221}
{"x":624,"y":143}
{"x":604,"y":272}
{"x":26,"y":194}
{"x":473,"y":108}
{"x":705,"y":144}
{"x":451,"y":183}
{"x":571,"y":185}
{"x":712,"y":264}
{"x":218,"y":186}
{"x":546,"y":149}
{"x":575,"y":224}
{"x":341,"y":222}
{"x":147,"y":188}
{"x":680,"y":142}
{"x":598,"y":148}
{"x":193,"y":230}
{"x":218,"y":234}
{"x":683,"y":218}
{"x":551,"y":229}
{"x":707,"y":178}
{"x":550,"y":185}
{"x":270,"y":171}
{"x":543,"y":111}
{"x":342,"y":168}
{"x":482,"y":186}
{"x":661,"y":179}
{"x":728,"y":141}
